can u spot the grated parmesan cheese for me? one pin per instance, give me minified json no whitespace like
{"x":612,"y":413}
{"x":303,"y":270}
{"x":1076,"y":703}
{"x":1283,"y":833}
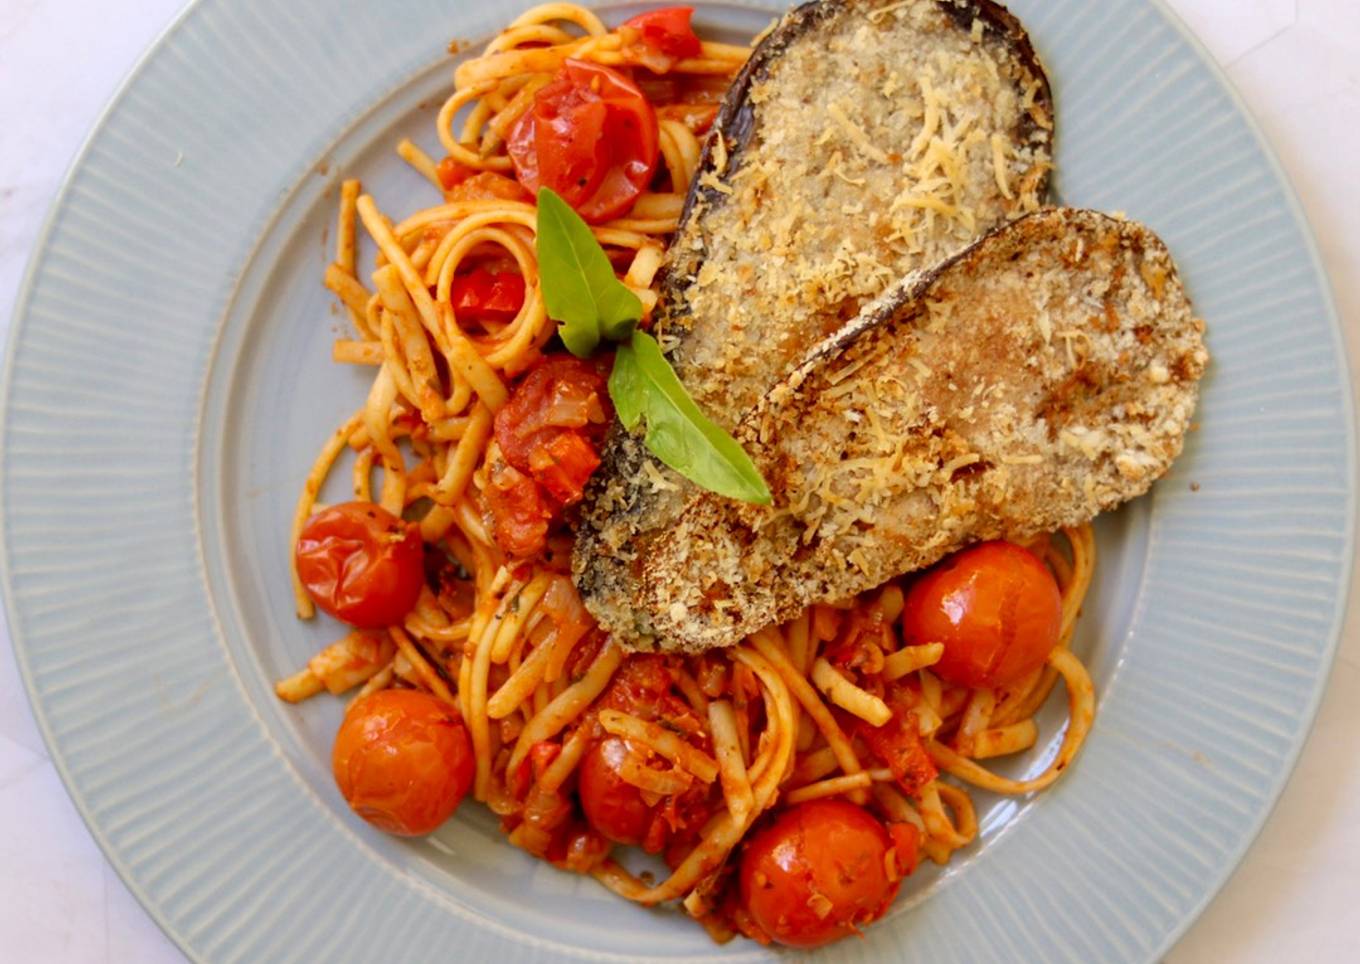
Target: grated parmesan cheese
{"x":720,"y":153}
{"x":1045,"y":323}
{"x":999,"y":165}
{"x":655,"y":478}
{"x":710,"y":180}
{"x":932,"y":117}
{"x":877,"y":16}
{"x":856,"y":134}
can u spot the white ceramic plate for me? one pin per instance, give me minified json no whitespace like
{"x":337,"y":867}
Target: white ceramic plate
{"x":169,"y":381}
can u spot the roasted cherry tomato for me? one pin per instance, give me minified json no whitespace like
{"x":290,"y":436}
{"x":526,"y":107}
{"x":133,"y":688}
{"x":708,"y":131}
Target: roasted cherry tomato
{"x":482,"y":295}
{"x":818,"y":872}
{"x":995,"y":607}
{"x":591,"y":136}
{"x":403,"y":760}
{"x":613,"y":806}
{"x":666,"y":34}
{"x":361,"y":564}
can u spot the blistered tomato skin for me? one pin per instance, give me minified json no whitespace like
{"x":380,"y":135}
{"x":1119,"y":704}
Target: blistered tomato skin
{"x":403,"y":761}
{"x":361,"y":564}
{"x":996,"y":608}
{"x":818,"y":872}
{"x":591,"y":136}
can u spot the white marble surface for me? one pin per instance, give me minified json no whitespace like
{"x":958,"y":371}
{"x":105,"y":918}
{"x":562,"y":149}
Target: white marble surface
{"x":1296,"y":63}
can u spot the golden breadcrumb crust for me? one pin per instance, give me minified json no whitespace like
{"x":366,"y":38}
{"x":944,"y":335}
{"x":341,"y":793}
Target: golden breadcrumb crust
{"x":1046,"y":374}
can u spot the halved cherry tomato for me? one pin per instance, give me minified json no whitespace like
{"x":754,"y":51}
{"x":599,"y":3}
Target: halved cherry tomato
{"x":482,"y":295}
{"x":819,"y":871}
{"x":995,"y":607}
{"x":403,"y":761}
{"x":665,"y":34}
{"x":591,"y":136}
{"x":612,"y":805}
{"x":361,"y":564}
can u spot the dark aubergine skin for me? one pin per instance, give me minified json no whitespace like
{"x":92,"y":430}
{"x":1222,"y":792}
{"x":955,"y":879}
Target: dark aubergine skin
{"x":619,"y":499}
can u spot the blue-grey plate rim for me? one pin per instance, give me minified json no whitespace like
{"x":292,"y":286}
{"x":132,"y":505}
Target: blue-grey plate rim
{"x":1339,"y":346}
{"x":1305,"y":718}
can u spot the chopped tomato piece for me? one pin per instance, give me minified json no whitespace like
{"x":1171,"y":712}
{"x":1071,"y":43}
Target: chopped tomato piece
{"x":665,"y":37}
{"x":462,"y":183}
{"x":519,"y":510}
{"x":898,"y":744}
{"x":637,"y":685}
{"x":642,"y":687}
{"x":860,"y":642}
{"x":451,"y":173}
{"x":482,"y":295}
{"x":577,"y":848}
{"x":563,"y":464}
{"x":907,"y":841}
{"x":683,"y":816}
{"x":563,"y":396}
{"x":544,"y":822}
{"x":548,"y":433}
{"x":584,"y":653}
{"x":541,"y":754}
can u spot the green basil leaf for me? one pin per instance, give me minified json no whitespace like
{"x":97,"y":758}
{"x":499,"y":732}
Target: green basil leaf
{"x":627,"y":388}
{"x":577,"y":280}
{"x":644,"y":386}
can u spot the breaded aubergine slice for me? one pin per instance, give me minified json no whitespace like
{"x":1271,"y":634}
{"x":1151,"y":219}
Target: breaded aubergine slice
{"x":864,"y":140}
{"x":1046,"y":374}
